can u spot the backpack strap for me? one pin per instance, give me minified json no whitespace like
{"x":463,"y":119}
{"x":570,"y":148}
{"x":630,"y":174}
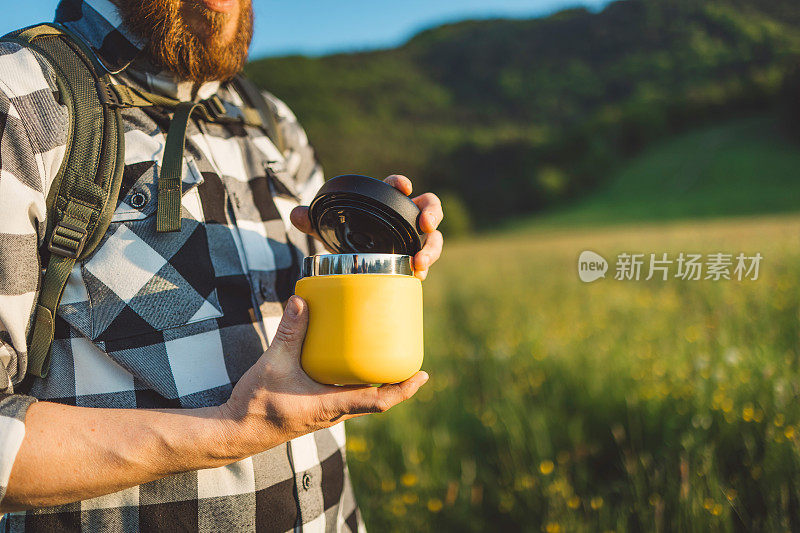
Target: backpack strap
{"x":82,"y":197}
{"x":210,"y":110}
{"x":257,"y":114}
{"x":168,"y":214}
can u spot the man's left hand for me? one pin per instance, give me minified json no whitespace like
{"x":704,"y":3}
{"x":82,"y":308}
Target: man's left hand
{"x":430,"y":218}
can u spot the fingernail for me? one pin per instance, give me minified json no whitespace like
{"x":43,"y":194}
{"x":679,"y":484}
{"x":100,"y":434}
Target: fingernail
{"x":293,"y":307}
{"x":425,"y":377}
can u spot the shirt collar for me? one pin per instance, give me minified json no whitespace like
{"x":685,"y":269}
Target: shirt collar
{"x":98,"y":23}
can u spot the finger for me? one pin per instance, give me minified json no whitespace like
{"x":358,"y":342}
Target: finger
{"x":430,"y":253}
{"x":419,"y":264}
{"x":432,"y":250}
{"x":401,"y":183}
{"x":300,"y":219}
{"x":432,"y":214}
{"x":288,"y":340}
{"x":379,"y":399}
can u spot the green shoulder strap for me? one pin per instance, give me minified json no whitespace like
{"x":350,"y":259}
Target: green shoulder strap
{"x":255,"y":112}
{"x":83,"y":195}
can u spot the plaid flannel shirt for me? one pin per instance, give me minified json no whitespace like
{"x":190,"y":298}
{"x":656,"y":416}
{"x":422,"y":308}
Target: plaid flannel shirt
{"x":161,"y":320}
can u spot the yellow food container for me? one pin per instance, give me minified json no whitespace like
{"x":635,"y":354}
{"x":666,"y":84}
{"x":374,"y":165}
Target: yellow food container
{"x":365,"y":321}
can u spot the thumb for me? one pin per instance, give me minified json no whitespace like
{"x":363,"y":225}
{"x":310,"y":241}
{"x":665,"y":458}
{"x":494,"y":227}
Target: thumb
{"x":300,"y":219}
{"x":292,"y":329}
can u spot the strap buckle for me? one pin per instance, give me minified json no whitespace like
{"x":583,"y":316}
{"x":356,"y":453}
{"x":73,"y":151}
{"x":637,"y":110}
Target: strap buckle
{"x":108,"y":95}
{"x":215,"y":109}
{"x":67,"y":235}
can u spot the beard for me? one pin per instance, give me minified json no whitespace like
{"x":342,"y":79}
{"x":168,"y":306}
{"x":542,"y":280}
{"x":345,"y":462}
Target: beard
{"x":192,"y":55}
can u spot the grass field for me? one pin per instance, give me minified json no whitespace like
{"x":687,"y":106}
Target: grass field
{"x":619,"y":405}
{"x":556,"y":405}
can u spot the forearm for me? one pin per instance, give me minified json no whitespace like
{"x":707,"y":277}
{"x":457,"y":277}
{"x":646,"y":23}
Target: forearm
{"x":75,"y":453}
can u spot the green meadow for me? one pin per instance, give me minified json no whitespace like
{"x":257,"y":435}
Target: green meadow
{"x":556,"y":405}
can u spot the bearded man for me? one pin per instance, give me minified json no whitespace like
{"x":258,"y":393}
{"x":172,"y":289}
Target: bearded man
{"x":175,"y":400}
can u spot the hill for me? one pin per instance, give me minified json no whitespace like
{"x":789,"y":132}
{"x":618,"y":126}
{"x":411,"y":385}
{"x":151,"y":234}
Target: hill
{"x":513,"y":116}
{"x":741,"y":167}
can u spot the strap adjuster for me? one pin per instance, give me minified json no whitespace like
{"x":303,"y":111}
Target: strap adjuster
{"x":215,"y":109}
{"x":66,"y":232}
{"x":108,"y":95}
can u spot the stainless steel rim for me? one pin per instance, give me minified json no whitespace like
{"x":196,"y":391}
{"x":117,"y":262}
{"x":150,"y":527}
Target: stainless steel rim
{"x":335,"y":264}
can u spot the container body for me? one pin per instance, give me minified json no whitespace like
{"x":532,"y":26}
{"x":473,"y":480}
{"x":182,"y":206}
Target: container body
{"x":363,"y":328}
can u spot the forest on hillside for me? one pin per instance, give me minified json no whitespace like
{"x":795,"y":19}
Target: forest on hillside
{"x":508,"y":117}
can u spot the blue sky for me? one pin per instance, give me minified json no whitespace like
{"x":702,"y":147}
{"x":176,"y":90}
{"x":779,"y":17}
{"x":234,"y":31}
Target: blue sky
{"x":322,"y":26}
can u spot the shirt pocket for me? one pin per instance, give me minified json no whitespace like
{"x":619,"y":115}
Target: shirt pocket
{"x":139,"y":281}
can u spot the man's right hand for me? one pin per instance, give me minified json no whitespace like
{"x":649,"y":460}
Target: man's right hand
{"x":275,"y":401}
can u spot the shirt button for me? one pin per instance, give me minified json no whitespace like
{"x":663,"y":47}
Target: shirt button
{"x":138,"y":200}
{"x":306,"y":481}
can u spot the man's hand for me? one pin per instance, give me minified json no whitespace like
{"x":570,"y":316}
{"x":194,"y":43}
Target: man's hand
{"x":76,"y":453}
{"x":432,"y":215}
{"x":276,"y":401}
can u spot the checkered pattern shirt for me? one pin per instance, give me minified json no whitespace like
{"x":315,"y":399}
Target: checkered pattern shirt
{"x":161,"y":320}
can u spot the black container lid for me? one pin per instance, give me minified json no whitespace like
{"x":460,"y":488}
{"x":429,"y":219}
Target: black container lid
{"x":359,"y":214}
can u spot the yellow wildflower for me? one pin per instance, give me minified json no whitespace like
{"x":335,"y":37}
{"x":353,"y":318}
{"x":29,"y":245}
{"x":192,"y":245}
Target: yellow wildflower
{"x":727,"y":405}
{"x":435,"y":505}
{"x":356,"y":445}
{"x":409,"y":479}
{"x":546,"y":467}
